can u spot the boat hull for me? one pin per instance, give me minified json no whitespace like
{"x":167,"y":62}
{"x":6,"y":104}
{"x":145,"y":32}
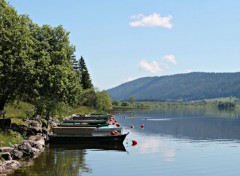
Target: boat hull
{"x":80,"y":139}
{"x":73,"y":130}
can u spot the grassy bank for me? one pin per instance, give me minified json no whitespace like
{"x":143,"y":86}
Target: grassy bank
{"x":208,"y":103}
{"x":17,"y":111}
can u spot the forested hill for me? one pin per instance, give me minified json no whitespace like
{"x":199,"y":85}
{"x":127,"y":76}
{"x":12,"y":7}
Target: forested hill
{"x":190,"y":86}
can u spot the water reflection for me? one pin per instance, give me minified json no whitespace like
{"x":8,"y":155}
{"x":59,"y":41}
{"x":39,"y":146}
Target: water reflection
{"x":64,"y":160}
{"x":155,"y":145}
{"x":195,"y":125}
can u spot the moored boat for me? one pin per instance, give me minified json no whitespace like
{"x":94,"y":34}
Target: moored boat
{"x":86,"y":130}
{"x":86,"y":139}
{"x":90,"y":117}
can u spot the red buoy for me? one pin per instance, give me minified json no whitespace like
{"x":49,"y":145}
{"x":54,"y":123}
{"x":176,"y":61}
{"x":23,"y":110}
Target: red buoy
{"x":118,"y":125}
{"x":131,"y":126}
{"x":134,"y":142}
{"x":142,"y":126}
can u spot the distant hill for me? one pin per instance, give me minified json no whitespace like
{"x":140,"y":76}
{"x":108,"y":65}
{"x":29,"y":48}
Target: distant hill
{"x":189,"y":86}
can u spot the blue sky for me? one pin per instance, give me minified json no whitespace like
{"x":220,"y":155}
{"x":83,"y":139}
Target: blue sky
{"x":129,"y":39}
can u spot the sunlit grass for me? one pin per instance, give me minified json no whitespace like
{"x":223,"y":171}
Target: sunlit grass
{"x":19,"y":110}
{"x":9,"y":138}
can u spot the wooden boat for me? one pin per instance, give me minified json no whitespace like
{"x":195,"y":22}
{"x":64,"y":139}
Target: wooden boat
{"x":90,"y":117}
{"x":72,"y":130}
{"x":86,"y":139}
{"x":81,"y":125}
{"x":89,"y":121}
{"x":86,"y":130}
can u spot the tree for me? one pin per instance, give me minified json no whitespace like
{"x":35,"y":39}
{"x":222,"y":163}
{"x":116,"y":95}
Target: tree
{"x":15,"y":45}
{"x":132,"y":100}
{"x":54,"y":81}
{"x":104,"y":101}
{"x":85,"y":79}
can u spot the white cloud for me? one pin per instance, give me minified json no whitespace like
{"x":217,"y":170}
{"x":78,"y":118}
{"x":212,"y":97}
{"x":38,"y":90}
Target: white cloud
{"x":150,"y":21}
{"x":152,"y":67}
{"x":170,"y":58}
{"x":155,"y":145}
{"x":129,"y":79}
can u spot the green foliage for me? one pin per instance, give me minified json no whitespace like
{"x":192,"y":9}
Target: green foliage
{"x":132,"y":100}
{"x":115,"y":103}
{"x":86,"y":81}
{"x":54,"y":81}
{"x":38,"y":65}
{"x":104,"y":101}
{"x":225,"y":105}
{"x":124,"y":103}
{"x":88,"y":98}
{"x":180,"y":87}
{"x":15,"y":46}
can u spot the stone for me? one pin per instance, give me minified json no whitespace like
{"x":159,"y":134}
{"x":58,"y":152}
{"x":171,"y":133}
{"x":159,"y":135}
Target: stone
{"x":38,"y":138}
{"x":10,"y":165}
{"x":34,"y":130}
{"x":16,"y":154}
{"x":6,"y":156}
{"x":25,"y":148}
{"x":35,"y":123}
{"x":45,"y":131}
{"x":6,"y":149}
{"x":36,"y":145}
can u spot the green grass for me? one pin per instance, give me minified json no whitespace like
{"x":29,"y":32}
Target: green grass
{"x":9,"y":138}
{"x":19,"y":110}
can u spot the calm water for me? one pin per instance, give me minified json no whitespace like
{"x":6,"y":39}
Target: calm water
{"x":173,"y":142}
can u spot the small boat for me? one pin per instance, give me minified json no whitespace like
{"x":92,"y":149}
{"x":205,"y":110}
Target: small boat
{"x":90,"y":117}
{"x":86,"y":139}
{"x":81,"y":125}
{"x":72,"y":130}
{"x":86,"y":130}
{"x":89,"y":121}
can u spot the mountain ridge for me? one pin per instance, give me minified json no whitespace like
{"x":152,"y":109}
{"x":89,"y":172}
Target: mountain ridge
{"x":184,"y":86}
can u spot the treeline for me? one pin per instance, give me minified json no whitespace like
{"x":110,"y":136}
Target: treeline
{"x":180,"y":87}
{"x":38,"y":65}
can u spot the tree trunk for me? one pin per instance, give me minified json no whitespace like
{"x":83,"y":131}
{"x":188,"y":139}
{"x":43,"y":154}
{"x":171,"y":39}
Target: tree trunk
{"x":2,"y":104}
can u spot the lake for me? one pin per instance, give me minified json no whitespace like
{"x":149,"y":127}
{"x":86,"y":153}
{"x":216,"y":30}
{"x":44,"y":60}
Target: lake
{"x":182,"y":142}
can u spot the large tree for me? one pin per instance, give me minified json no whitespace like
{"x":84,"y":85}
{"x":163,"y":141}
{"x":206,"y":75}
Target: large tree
{"x":85,"y":79}
{"x":54,"y":81}
{"x":15,"y":45}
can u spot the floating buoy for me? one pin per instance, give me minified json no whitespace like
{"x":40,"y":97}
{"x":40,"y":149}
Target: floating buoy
{"x":131,"y":126}
{"x":118,"y":125}
{"x":114,"y":133}
{"x":134,"y":142}
{"x":124,"y":117}
{"x":142,"y":126}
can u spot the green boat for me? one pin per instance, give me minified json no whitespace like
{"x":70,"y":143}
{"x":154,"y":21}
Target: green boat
{"x":90,"y":117}
{"x":72,"y":124}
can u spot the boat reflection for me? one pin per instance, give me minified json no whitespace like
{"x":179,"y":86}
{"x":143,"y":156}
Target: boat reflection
{"x":117,"y":147}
